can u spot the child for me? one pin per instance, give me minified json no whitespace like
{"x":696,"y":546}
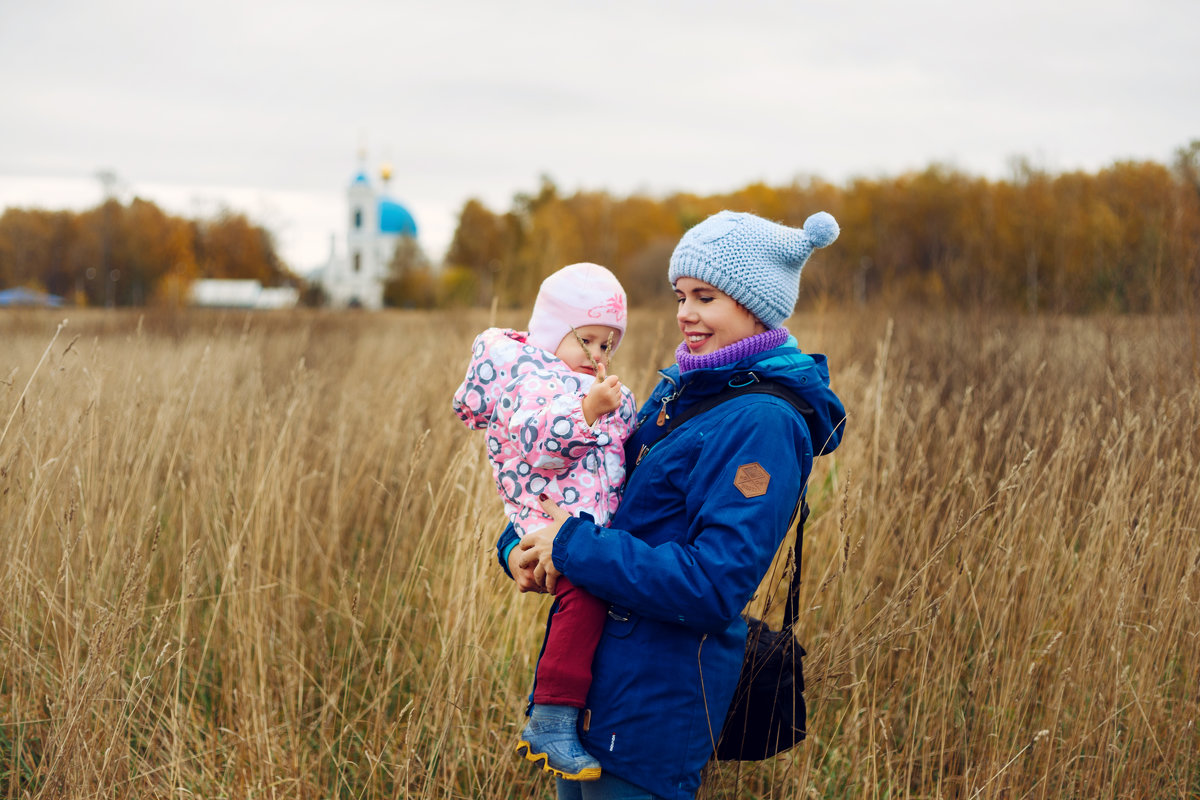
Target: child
{"x":556,"y":425}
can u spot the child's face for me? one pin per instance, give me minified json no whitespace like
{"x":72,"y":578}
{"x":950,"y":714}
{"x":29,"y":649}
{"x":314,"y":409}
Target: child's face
{"x":595,"y":339}
{"x":710,"y":319}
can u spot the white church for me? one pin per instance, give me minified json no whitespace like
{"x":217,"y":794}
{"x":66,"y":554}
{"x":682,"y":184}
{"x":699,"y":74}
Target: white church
{"x":354,"y":278}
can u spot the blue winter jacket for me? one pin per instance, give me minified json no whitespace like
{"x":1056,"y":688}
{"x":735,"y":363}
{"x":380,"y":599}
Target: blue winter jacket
{"x":685,"y":551}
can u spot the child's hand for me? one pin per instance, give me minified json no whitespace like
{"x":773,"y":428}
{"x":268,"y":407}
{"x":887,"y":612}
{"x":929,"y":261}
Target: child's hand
{"x":603,"y":398}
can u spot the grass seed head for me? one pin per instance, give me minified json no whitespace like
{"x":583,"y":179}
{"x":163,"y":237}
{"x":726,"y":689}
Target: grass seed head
{"x":587,"y":352}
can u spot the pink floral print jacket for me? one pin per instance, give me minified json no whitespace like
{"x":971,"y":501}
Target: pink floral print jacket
{"x":531,"y":404}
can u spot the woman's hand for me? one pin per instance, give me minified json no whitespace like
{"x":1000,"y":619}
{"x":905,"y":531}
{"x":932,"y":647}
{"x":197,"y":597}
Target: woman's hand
{"x":526,"y":582}
{"x":536,"y":550}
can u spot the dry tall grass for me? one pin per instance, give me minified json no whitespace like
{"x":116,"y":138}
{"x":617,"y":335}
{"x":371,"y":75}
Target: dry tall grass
{"x":252,"y":556}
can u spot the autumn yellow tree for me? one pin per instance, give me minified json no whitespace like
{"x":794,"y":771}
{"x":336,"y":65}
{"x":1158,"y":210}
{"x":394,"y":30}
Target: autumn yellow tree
{"x":476,"y":254}
{"x":1124,"y":239}
{"x":230,"y":246}
{"x":26,"y":247}
{"x":115,"y":254}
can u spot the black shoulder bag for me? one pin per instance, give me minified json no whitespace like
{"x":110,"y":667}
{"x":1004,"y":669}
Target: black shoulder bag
{"x":767,"y":714}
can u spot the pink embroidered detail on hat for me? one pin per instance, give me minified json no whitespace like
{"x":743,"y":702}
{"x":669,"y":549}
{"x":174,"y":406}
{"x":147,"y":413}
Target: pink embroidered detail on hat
{"x":614,"y":306}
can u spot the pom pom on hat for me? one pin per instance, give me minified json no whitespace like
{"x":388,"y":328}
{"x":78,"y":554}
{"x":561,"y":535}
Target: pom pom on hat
{"x":753,"y":260}
{"x":574,"y":296}
{"x":822,"y":229}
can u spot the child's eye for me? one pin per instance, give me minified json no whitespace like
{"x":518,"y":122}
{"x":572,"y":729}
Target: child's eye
{"x":705,"y":299}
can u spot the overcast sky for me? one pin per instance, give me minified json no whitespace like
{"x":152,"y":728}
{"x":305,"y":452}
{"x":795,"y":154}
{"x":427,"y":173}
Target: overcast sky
{"x":263,"y":105}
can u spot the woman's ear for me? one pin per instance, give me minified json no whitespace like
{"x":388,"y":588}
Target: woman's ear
{"x":759,"y":325}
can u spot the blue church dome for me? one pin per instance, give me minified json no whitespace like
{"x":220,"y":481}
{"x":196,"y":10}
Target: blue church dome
{"x":395,"y":218}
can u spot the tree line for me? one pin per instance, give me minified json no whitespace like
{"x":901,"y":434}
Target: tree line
{"x":131,"y":254}
{"x":1125,"y":239}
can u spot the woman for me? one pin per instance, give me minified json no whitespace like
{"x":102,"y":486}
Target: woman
{"x":704,"y":510}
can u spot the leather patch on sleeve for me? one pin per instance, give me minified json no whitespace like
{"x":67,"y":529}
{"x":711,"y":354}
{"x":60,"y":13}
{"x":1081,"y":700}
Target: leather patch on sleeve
{"x":751,"y":480}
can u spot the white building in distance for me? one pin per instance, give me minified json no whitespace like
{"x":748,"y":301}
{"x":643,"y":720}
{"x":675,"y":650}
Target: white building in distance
{"x":219,"y":293}
{"x":375,"y":225}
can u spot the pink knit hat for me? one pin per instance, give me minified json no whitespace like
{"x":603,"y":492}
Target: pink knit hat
{"x":576,"y":295}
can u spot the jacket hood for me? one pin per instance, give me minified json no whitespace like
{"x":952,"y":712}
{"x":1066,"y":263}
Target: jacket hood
{"x":806,"y":374}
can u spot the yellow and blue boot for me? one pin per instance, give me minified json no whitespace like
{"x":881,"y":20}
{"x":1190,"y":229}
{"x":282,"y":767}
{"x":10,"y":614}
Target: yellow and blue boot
{"x":550,"y":737}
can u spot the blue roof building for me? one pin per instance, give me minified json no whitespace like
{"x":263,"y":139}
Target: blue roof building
{"x":375,"y":225}
{"x":395,"y":219}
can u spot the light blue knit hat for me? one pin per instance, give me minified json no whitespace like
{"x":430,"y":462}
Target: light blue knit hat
{"x":753,"y":260}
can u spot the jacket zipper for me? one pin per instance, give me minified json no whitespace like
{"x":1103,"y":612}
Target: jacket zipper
{"x":663,"y":416}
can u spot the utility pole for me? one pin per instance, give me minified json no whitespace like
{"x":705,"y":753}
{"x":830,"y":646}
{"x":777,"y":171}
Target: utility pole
{"x":108,"y":184}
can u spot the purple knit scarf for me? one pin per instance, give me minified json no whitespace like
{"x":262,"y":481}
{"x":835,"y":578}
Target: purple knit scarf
{"x":731,"y":353}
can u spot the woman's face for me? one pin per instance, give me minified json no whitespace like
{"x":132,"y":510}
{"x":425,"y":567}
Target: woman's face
{"x":710,"y":319}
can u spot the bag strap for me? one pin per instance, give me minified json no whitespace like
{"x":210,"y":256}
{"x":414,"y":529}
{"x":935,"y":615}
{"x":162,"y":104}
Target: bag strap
{"x":740,"y":384}
{"x":791,"y":608}
{"x":749,"y":383}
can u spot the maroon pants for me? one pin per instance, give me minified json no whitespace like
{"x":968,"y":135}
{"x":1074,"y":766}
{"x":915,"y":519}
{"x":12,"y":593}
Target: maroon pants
{"x":564,"y":671}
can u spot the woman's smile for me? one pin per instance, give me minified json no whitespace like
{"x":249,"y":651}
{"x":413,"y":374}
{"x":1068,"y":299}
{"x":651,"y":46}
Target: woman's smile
{"x":709,"y":319}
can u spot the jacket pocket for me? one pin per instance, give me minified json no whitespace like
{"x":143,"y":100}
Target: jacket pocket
{"x":621,"y":622}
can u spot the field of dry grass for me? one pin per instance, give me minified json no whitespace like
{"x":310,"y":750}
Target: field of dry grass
{"x":251,"y":556}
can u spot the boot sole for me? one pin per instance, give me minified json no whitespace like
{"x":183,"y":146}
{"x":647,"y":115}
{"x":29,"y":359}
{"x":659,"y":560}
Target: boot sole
{"x":586,"y":774}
